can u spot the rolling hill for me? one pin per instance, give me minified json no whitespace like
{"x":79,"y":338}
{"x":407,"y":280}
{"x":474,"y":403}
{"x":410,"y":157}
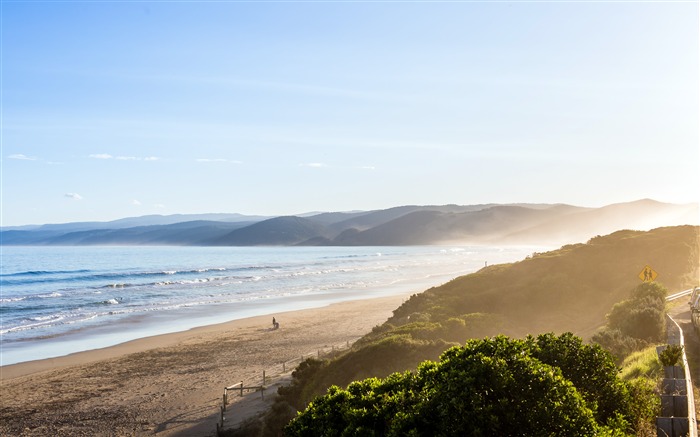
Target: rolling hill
{"x":492,"y":224}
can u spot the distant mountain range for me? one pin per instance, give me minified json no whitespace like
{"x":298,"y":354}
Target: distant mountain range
{"x":504,"y":224}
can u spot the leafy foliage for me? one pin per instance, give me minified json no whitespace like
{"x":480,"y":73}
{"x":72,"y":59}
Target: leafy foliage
{"x":636,"y":322}
{"x":301,"y":377}
{"x":545,"y":385}
{"x":590,"y":368}
{"x":671,"y":356}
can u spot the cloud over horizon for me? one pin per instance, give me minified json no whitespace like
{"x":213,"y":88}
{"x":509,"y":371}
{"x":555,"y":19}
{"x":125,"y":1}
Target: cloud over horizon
{"x":74,"y":196}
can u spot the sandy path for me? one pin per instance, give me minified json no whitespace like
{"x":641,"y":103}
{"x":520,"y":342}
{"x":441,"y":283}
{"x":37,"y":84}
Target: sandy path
{"x":169,"y":385}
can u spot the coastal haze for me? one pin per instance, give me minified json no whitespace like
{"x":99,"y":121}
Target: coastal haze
{"x":176,"y":174}
{"x":59,"y":299}
{"x":275,"y":109}
{"x":521,"y":224}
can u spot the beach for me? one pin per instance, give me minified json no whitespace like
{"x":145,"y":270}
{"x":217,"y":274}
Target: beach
{"x":171,"y":384}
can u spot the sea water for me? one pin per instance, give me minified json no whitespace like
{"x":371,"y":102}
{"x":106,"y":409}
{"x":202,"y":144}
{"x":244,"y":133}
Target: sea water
{"x":59,"y":300}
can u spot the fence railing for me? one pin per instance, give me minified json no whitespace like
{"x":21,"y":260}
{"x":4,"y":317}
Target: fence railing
{"x":271,"y":375}
{"x":677,"y":401}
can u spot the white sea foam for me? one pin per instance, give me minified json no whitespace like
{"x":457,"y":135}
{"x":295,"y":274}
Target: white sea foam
{"x":12,"y":299}
{"x":256,"y":281}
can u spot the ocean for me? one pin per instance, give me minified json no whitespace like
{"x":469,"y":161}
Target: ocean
{"x":58,"y":300}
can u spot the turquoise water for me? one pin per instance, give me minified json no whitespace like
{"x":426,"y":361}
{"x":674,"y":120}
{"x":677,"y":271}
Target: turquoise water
{"x":59,"y":300}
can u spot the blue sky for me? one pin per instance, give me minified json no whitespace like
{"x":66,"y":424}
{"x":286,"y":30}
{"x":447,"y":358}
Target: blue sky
{"x":116,"y":109}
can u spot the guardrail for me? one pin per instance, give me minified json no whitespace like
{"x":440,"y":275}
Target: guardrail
{"x":677,"y":400}
{"x":679,"y":294}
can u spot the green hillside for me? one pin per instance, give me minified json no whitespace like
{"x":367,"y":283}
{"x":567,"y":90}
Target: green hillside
{"x":566,"y":290}
{"x":569,"y":289}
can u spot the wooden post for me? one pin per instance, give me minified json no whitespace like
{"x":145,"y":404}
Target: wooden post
{"x":222,"y":417}
{"x":241,"y":388}
{"x":224,"y":399}
{"x":263,"y":378}
{"x":284,"y":370}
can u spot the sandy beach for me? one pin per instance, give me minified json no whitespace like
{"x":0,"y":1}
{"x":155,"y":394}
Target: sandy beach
{"x":170,"y":385}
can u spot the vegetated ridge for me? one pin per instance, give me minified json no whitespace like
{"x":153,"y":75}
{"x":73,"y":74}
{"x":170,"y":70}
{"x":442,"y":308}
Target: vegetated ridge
{"x":569,"y":290}
{"x":492,"y":224}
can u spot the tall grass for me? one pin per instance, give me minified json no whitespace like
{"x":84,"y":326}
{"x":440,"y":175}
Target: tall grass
{"x":642,"y":364}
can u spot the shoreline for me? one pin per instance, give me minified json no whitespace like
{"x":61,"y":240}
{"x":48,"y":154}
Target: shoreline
{"x":171,"y":384}
{"x":143,"y":344}
{"x":360,"y":274}
{"x":141,"y":328}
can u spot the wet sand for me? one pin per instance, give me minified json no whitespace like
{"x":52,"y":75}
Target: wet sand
{"x":172,"y":384}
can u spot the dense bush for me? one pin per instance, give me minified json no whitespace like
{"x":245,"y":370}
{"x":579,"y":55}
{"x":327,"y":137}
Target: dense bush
{"x":590,"y":368}
{"x":382,"y":357}
{"x":301,"y":377}
{"x":636,"y":322}
{"x":545,"y":385}
{"x":619,"y":344}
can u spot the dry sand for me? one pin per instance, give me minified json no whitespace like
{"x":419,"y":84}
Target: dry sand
{"x":170,"y":385}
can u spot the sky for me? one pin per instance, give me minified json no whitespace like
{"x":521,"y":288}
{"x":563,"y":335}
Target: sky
{"x":115,"y":109}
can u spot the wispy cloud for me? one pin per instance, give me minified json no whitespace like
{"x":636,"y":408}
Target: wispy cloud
{"x":22,"y":157}
{"x":230,"y":161}
{"x":313,"y":165}
{"x":368,"y":167}
{"x":123,"y":158}
{"x":135,"y":202}
{"x":159,"y":206}
{"x":74,"y":196}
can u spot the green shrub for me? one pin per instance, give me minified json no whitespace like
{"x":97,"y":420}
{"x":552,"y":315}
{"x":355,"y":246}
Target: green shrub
{"x":545,"y":385}
{"x":302,"y":376}
{"x":590,"y":368}
{"x":671,"y":356}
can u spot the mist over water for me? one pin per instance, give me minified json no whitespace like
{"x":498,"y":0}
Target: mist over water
{"x":58,"y":300}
